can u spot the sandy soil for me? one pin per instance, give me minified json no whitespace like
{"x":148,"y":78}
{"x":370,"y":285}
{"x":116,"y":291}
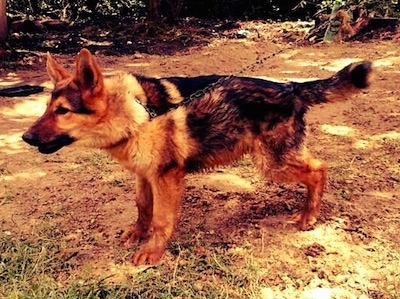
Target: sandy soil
{"x":353,"y":252}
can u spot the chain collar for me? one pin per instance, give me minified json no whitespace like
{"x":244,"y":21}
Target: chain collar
{"x":196,"y":95}
{"x":152,"y":113}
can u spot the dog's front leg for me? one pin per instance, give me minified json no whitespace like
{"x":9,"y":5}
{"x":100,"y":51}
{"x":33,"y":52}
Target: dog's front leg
{"x":167,"y":192}
{"x":140,"y":231}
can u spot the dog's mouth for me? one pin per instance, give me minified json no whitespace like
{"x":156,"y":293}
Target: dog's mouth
{"x":52,"y":147}
{"x":48,"y":147}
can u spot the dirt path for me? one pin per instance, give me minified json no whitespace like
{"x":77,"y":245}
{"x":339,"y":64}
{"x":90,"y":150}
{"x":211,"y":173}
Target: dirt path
{"x":352,"y":253}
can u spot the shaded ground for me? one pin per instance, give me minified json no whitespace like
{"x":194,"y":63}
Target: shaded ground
{"x":111,"y":36}
{"x":85,"y":199}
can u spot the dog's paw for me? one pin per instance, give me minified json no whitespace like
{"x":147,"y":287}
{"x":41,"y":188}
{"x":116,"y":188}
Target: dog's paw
{"x":151,"y":251}
{"x":304,"y":220}
{"x":134,"y":233}
{"x":147,"y":256}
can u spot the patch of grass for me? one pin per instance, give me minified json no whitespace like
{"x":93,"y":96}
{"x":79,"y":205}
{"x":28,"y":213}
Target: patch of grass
{"x":102,"y":167}
{"x":118,"y":180}
{"x":226,"y":274}
{"x":31,"y":269}
{"x":26,"y":268}
{"x":5,"y":195}
{"x":93,"y":158}
{"x":340,"y":178}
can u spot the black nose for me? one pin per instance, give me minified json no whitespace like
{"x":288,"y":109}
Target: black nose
{"x":30,"y":138}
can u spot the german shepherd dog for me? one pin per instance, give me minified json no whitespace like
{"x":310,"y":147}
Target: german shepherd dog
{"x":236,"y":116}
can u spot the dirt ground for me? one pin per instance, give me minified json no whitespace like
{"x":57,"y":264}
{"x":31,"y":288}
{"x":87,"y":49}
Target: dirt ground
{"x":353,"y":252}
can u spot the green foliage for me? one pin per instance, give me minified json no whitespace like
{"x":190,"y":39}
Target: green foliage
{"x":82,"y":10}
{"x":76,"y":10}
{"x":326,"y":5}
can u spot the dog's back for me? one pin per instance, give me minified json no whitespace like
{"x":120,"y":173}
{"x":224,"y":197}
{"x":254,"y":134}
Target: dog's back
{"x":240,"y":114}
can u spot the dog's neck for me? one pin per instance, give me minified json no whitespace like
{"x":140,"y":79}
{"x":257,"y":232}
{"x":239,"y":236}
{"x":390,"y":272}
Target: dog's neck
{"x":124,"y":108}
{"x":124,"y":152}
{"x":110,"y":147}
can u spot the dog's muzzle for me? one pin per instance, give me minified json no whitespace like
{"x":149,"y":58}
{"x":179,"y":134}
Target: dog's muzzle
{"x":50,"y":146}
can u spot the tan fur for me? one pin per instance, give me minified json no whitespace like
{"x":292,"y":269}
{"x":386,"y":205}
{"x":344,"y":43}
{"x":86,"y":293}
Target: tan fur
{"x":173,"y":92}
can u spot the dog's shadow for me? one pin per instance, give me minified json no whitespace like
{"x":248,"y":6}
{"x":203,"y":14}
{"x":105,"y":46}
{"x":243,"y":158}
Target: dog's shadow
{"x":227,"y":219}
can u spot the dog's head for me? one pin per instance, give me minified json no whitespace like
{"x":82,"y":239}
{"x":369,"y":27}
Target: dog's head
{"x":77,"y":106}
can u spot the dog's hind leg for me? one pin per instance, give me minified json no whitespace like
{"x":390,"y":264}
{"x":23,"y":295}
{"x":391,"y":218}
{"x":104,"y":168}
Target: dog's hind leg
{"x":313,"y":174}
{"x":302,"y":168}
{"x":140,"y":231}
{"x":167,"y":192}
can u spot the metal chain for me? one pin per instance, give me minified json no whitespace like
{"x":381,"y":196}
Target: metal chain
{"x":261,"y":60}
{"x":200,"y":93}
{"x":150,"y":111}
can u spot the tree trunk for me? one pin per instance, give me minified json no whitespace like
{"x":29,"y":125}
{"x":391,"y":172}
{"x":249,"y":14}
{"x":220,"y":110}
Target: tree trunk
{"x":154,"y":10}
{"x":174,"y":9}
{"x":3,"y":21}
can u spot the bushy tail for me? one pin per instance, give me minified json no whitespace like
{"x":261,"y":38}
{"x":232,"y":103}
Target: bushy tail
{"x":351,"y":79}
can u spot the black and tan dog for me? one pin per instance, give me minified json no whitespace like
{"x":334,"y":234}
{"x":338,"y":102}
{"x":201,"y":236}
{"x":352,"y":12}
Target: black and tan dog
{"x":238,"y":115}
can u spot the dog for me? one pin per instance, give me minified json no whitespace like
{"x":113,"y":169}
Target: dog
{"x":234,"y":116}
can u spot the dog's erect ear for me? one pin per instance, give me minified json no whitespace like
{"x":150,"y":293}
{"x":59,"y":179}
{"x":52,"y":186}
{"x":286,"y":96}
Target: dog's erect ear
{"x":88,"y":75}
{"x":55,"y":71}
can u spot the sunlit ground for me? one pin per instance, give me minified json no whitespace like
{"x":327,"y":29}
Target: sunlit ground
{"x":27,"y":110}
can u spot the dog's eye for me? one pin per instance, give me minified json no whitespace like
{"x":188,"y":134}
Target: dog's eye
{"x":61,"y":110}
